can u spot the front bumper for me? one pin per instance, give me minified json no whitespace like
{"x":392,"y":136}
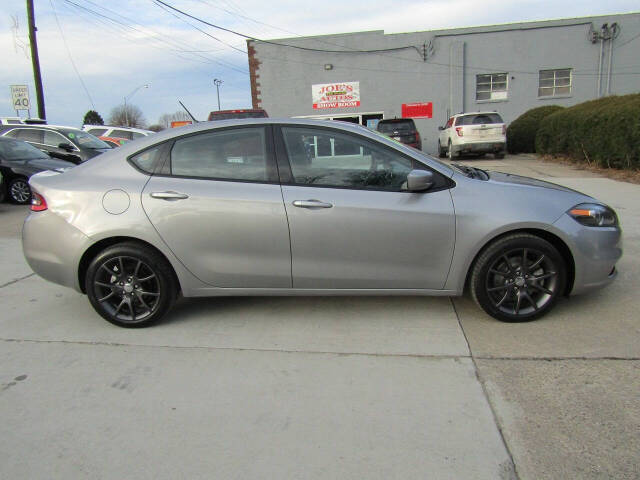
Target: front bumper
{"x":596,"y":250}
{"x":53,"y":248}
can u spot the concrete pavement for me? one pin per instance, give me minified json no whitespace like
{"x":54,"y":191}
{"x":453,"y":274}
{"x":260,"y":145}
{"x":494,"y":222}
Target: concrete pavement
{"x":324,"y":387}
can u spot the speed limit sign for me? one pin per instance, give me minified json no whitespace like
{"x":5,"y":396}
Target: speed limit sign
{"x":20,"y":97}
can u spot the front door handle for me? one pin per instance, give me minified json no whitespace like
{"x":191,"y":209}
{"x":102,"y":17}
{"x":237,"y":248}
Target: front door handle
{"x":169,"y":195}
{"x":311,"y":204}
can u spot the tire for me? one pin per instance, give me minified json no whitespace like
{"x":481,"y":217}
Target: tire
{"x":511,"y":292}
{"x":450,"y":153}
{"x":498,"y":155}
{"x":130,"y":285}
{"x":441,"y":153}
{"x":18,"y":191}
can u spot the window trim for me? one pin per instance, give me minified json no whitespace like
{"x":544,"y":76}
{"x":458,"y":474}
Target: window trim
{"x":561,"y":95}
{"x":494,"y":100}
{"x":162,"y":168}
{"x":287,"y":179}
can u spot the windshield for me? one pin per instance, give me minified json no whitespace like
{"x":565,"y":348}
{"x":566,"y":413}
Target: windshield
{"x":479,"y":119}
{"x":400,"y":126}
{"x":17,"y":150}
{"x":86,"y":140}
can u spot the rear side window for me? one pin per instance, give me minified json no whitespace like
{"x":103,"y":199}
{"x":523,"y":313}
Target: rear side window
{"x":122,"y":134}
{"x":31,"y":135}
{"x":150,"y":159}
{"x":479,"y":119}
{"x":397,"y":126}
{"x":98,"y":132}
{"x":233,"y":154}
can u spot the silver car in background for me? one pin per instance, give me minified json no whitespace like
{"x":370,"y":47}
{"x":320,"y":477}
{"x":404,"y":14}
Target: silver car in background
{"x":305,"y":207}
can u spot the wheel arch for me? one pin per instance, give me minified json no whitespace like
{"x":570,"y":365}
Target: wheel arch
{"x":100,"y":245}
{"x":550,"y":237}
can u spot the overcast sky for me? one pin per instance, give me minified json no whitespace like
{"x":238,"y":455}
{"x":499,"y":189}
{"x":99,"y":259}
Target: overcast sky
{"x":141,"y":43}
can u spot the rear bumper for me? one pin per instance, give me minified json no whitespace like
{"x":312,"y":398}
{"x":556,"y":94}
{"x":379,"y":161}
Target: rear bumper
{"x":53,"y":248}
{"x":479,"y":147}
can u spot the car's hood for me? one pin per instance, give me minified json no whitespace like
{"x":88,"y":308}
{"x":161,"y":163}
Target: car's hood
{"x":500,"y":177}
{"x":49,"y":164}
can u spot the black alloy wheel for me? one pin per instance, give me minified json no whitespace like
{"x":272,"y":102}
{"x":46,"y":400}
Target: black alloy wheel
{"x":518,"y":278}
{"x":19,"y":191}
{"x":130,"y":285}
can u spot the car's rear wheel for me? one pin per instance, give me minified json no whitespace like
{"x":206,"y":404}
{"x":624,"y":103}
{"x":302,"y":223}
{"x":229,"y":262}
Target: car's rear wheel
{"x":441,"y":152}
{"x":130,"y":285}
{"x":450,"y":153}
{"x":498,"y":155}
{"x":19,"y":191}
{"x":518,"y":278}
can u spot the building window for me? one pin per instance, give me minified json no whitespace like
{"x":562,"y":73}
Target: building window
{"x":492,"y":86}
{"x":554,"y":83}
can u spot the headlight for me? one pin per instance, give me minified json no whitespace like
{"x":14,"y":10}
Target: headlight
{"x":594,"y":215}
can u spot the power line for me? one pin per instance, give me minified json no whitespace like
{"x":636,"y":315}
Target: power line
{"x":86,"y":90}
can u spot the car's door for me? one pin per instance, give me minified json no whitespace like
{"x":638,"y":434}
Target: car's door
{"x":51,"y":145}
{"x":352,"y":225}
{"x":217,"y":204}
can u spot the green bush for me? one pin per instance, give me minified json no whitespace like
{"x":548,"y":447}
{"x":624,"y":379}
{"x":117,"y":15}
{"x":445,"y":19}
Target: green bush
{"x":603,"y":132}
{"x":521,"y":134}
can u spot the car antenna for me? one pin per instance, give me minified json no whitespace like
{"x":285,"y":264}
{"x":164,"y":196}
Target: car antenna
{"x":188,"y":112}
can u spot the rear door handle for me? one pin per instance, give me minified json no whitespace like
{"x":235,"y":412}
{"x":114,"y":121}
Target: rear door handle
{"x":169,"y":195}
{"x":311,"y":204}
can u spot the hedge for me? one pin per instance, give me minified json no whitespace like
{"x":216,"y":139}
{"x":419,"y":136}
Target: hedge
{"x":603,"y":132}
{"x":521,"y":134}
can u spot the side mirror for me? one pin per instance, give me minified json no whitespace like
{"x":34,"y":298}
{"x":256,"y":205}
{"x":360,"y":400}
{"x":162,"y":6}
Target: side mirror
{"x":65,"y":146}
{"x":440,"y":127}
{"x":419,"y":180}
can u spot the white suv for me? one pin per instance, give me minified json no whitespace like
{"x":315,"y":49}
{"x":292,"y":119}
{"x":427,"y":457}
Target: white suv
{"x":479,"y":132}
{"x":118,"y":132}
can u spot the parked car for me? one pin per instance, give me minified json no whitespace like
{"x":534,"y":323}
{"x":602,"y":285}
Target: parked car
{"x":129,"y":133}
{"x":238,"y":113}
{"x":244,"y":208}
{"x":18,"y":161}
{"x":66,"y":143}
{"x":401,"y":129}
{"x":114,"y":142}
{"x":480,"y":133}
{"x":11,"y":121}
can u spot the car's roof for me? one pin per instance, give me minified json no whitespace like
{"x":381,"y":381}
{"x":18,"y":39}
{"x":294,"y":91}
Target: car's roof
{"x":128,"y":129}
{"x":61,"y":128}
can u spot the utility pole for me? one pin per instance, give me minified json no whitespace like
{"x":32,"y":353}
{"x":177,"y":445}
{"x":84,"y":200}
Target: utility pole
{"x":217,"y":83}
{"x":35,"y":60}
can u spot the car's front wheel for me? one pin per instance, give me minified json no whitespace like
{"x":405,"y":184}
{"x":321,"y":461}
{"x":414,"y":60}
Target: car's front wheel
{"x":518,"y":278}
{"x":130,"y":285}
{"x":19,"y":191}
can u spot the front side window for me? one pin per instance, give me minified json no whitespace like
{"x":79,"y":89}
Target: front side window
{"x":86,"y":140}
{"x":54,"y":139}
{"x":320,"y":157}
{"x":492,"y":86}
{"x":554,"y":83}
{"x":97,"y":132}
{"x":233,"y":154}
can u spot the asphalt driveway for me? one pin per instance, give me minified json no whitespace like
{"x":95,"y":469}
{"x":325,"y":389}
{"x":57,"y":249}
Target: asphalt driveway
{"x":324,"y":387}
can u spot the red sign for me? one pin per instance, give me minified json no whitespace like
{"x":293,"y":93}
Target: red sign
{"x":417,"y":110}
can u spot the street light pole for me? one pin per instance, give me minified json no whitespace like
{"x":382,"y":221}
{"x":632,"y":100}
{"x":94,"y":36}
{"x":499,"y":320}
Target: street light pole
{"x":126,"y":114}
{"x":217,"y":83}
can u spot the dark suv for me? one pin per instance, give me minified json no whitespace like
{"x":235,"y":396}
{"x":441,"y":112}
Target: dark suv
{"x":401,"y":129}
{"x":66,"y":143}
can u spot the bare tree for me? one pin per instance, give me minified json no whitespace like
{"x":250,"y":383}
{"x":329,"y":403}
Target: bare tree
{"x":129,"y":116}
{"x":166,"y":119}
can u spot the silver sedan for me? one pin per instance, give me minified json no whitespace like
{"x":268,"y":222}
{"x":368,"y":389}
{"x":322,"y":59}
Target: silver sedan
{"x":303,"y":207}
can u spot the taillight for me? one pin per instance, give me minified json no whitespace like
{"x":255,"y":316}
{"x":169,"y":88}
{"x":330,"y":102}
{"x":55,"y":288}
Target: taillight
{"x":459,"y":131}
{"x":504,"y":129}
{"x":38,"y":203}
{"x":417,"y":136}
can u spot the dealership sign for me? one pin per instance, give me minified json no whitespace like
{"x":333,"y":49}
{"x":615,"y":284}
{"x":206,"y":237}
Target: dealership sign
{"x":417,"y":110}
{"x":336,"y":95}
